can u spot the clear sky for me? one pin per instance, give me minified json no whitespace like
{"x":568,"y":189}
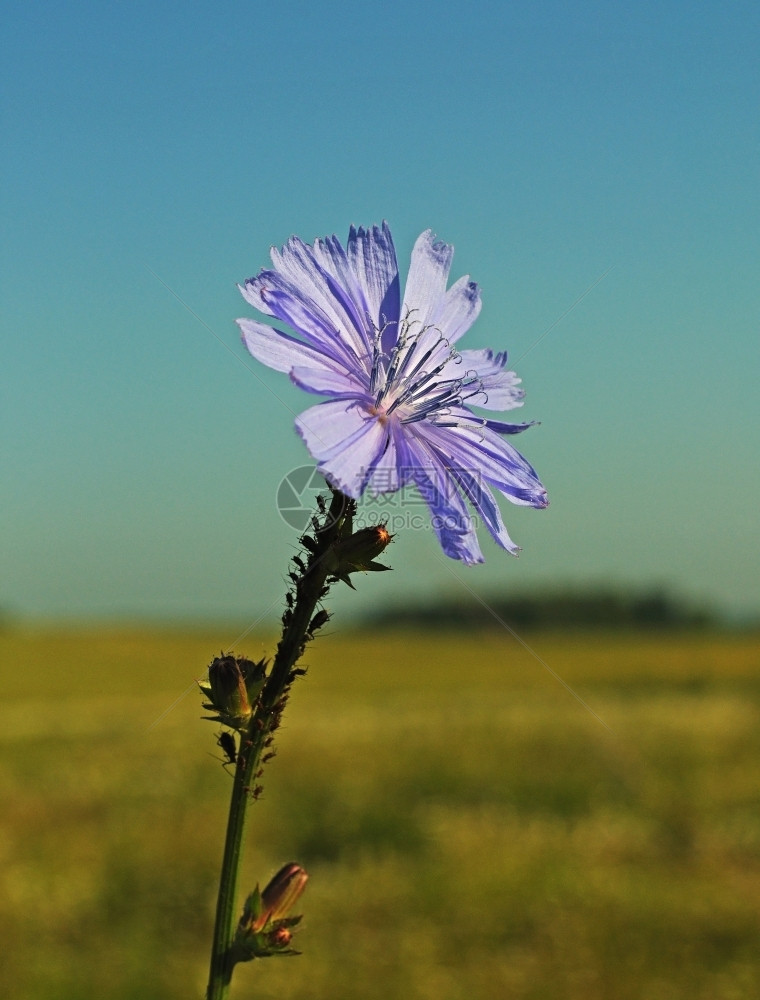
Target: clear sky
{"x":154,"y":152}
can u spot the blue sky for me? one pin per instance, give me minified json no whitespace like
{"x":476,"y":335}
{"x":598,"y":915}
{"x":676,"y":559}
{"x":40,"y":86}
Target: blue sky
{"x":153,"y":153}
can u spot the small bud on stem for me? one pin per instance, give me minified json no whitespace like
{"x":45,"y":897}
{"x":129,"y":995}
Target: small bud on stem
{"x":234,"y":684}
{"x":357,"y":553}
{"x":264,"y":927}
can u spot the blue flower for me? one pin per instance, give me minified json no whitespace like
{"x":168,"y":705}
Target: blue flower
{"x":400,"y":395}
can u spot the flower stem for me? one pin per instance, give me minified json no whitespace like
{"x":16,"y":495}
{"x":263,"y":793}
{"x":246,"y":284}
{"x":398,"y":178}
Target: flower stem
{"x":220,"y":972}
{"x":310,"y":588}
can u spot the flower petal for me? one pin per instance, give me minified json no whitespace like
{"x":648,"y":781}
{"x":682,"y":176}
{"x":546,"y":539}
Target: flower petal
{"x":345,"y":440}
{"x":462,"y":416}
{"x":373,"y":258}
{"x":485,"y":504}
{"x":434,"y":317}
{"x":501,"y":428}
{"x":426,"y":283}
{"x":394,"y":467}
{"x":502,"y":388}
{"x":458,"y":309}
{"x":484,"y":454}
{"x":330,"y":276}
{"x":451,"y":522}
{"x":328,"y":382}
{"x":308,"y":269}
{"x":347,"y":288}
{"x":274,"y":295}
{"x":279,"y":350}
{"x":327,"y":424}
{"x":496,"y":389}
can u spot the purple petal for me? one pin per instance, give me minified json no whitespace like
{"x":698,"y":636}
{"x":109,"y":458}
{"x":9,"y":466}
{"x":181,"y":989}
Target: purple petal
{"x":451,"y":522}
{"x":345,"y":440}
{"x":279,"y":350}
{"x":328,"y":382}
{"x":304,"y":268}
{"x":348,"y":290}
{"x":274,"y":295}
{"x":461,"y":416}
{"x":426,"y":283}
{"x":501,"y":388}
{"x":501,"y":428}
{"x":486,"y":361}
{"x":393,"y":469}
{"x":450,"y":518}
{"x":458,"y":310}
{"x":373,"y":258}
{"x":327,"y":424}
{"x":485,"y":504}
{"x":484,"y":454}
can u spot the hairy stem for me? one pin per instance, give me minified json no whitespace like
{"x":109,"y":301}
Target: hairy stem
{"x":309,"y":589}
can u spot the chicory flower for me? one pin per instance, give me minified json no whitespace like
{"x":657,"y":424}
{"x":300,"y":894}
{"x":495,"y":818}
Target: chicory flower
{"x":400,"y":395}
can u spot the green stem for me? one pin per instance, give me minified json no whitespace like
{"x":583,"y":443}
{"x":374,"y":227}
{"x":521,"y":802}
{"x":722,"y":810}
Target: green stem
{"x":220,"y":972}
{"x":264,"y":720}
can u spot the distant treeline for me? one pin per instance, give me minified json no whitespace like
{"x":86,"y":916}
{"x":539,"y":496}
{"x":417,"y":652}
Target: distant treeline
{"x":568,"y":608}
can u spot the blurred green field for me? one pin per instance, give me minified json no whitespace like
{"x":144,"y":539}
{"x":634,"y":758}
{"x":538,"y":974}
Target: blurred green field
{"x":472,"y":832}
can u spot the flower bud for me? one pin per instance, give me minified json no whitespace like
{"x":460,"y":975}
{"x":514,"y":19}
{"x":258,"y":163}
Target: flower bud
{"x":283,"y":891}
{"x":233,"y":685}
{"x":265,"y":928}
{"x":358,"y":551}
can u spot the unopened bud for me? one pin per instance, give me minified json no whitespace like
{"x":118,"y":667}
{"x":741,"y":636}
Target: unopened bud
{"x":358,"y":552}
{"x":233,"y":685}
{"x":283,"y":891}
{"x":265,"y":927}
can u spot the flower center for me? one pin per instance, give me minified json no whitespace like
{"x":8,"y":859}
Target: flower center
{"x":380,"y":413}
{"x":412,"y":380}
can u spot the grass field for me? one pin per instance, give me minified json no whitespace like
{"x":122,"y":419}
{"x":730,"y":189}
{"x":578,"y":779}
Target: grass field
{"x":471,"y":830}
